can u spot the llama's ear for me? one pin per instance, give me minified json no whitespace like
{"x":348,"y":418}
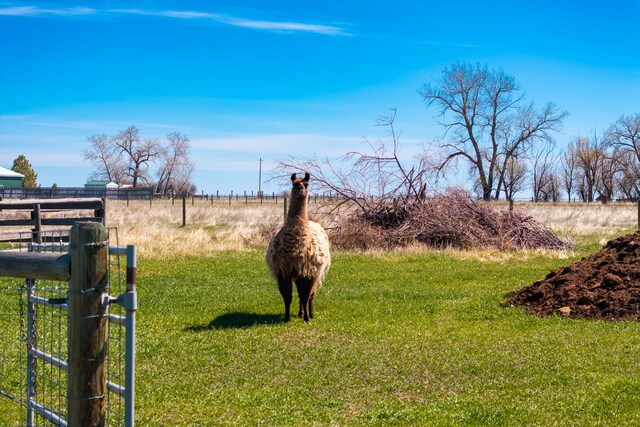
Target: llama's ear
{"x":306,"y":177}
{"x":293,"y":177}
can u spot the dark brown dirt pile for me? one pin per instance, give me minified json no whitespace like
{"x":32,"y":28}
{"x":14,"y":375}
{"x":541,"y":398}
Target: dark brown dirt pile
{"x":605,"y":285}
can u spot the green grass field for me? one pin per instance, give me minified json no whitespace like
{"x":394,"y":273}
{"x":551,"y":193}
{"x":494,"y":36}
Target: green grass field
{"x":399,"y":339}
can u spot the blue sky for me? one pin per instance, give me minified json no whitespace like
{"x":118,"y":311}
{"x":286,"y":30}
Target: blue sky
{"x":269,"y":79}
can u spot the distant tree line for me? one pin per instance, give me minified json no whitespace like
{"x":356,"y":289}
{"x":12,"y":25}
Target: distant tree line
{"x":127,"y":158}
{"x":506,"y":144}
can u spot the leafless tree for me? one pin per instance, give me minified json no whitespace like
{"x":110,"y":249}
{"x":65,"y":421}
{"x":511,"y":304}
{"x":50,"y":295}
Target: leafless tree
{"x":486,"y":121}
{"x":515,"y":172}
{"x":138,"y":153}
{"x":590,"y":156}
{"x":107,"y":160}
{"x":624,"y":135}
{"x":126,"y":158}
{"x":174,"y":166}
{"x":366,"y":178}
{"x":568,"y":162}
{"x":627,"y":179}
{"x":545,"y":183}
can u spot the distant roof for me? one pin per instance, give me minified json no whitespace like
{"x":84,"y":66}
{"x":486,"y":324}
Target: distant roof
{"x":4,"y":172}
{"x":101,"y":183}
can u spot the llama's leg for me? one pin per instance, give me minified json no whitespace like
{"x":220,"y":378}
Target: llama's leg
{"x":311,"y":313}
{"x":286,"y":290}
{"x":314,"y":288}
{"x":304,"y":290}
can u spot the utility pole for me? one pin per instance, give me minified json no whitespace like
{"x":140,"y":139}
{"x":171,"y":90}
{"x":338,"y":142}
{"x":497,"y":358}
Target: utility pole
{"x":260,"y":178}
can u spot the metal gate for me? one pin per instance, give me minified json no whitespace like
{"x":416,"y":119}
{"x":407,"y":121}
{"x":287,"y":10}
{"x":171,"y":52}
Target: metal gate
{"x":36,"y":369}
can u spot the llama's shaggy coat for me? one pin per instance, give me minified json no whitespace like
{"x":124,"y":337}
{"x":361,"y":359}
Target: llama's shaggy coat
{"x":299,"y":252}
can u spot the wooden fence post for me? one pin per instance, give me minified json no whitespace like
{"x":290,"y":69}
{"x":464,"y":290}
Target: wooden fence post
{"x":103,"y":211}
{"x":184,"y":211}
{"x":285,"y":208}
{"x":87,"y":325}
{"x":37,"y":224}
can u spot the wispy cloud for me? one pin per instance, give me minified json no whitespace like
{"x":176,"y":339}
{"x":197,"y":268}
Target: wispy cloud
{"x":33,"y":11}
{"x":233,"y":21}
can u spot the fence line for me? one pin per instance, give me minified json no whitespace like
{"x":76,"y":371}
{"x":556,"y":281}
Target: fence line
{"x":39,"y":354}
{"x":39,"y":213}
{"x":138,"y":193}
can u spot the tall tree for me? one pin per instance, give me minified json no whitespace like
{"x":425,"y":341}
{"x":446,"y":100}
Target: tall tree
{"x":126,"y":158}
{"x":624,"y":137}
{"x":589,"y":159}
{"x":487,"y":121}
{"x":174,"y":167}
{"x":515,"y":171}
{"x":624,"y":134}
{"x":23,"y":166}
{"x":107,"y":159}
{"x":568,"y":169}
{"x":138,"y":153}
{"x":545,"y":183}
{"x":627,"y":180}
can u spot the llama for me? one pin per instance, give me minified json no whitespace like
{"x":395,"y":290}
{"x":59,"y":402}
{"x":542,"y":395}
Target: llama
{"x":299,"y":252}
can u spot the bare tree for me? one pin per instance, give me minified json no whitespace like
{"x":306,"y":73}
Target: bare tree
{"x":486,"y":121}
{"x":107,"y":160}
{"x":370,"y":178}
{"x":138,"y":153}
{"x":174,"y":167}
{"x":624,"y":135}
{"x":569,"y":169}
{"x":589,"y":158}
{"x":627,"y":178}
{"x":126,"y":158}
{"x":515,"y":172}
{"x":545,"y":183}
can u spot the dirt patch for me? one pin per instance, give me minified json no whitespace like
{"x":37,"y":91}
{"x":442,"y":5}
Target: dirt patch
{"x":604,"y":285}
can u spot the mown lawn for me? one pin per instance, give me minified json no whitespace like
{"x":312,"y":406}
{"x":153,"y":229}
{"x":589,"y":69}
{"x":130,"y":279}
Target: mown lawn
{"x":399,"y":339}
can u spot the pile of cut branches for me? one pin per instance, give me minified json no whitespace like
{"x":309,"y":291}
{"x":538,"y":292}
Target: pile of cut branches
{"x":450,"y":220}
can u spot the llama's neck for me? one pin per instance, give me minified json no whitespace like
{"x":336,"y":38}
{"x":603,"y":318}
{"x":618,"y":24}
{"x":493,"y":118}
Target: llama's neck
{"x":298,"y":213}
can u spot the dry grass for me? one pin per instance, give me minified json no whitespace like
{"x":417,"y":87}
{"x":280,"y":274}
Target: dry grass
{"x":157,"y":229}
{"x":579,"y":220}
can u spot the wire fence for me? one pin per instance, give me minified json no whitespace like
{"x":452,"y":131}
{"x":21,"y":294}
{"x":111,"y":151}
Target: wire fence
{"x":33,"y":342}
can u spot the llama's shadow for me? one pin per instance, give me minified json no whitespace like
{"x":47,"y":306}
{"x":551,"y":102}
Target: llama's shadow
{"x":237,"y":320}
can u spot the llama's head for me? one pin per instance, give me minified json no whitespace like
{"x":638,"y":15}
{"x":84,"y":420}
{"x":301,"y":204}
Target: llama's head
{"x":299,"y":186}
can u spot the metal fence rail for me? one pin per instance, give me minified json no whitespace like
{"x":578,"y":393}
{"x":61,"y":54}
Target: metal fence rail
{"x":34,"y":341}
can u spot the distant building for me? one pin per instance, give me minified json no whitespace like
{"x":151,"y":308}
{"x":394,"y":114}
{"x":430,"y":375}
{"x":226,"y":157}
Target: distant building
{"x":10,"y":179}
{"x":101,"y":184}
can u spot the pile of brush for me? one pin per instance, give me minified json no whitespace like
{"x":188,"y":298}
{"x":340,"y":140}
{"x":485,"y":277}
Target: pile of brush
{"x":451,"y":220}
